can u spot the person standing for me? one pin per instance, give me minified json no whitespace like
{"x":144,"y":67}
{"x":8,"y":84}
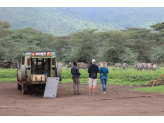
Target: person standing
{"x":93,"y":70}
{"x":103,"y":70}
{"x":75,"y":76}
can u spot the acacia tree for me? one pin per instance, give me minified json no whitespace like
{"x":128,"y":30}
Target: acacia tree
{"x":62,"y":47}
{"x":4,"y":32}
{"x":114,"y":45}
{"x":27,"y":39}
{"x":84,"y":46}
{"x":140,"y":42}
{"x":158,"y":26}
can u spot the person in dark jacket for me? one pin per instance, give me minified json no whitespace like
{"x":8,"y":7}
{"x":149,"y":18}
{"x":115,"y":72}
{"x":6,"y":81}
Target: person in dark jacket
{"x":75,"y":76}
{"x":93,"y":70}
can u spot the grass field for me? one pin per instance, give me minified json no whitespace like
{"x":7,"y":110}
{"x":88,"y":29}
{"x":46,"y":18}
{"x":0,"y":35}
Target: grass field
{"x":115,"y":76}
{"x":8,"y":73}
{"x":153,"y":89}
{"x":120,"y":76}
{"x":129,"y":77}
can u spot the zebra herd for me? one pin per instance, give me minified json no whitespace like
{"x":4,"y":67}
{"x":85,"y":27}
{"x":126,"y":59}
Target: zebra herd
{"x":145,"y":66}
{"x":138,"y":66}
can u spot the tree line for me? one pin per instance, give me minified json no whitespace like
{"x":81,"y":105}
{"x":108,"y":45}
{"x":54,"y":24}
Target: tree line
{"x":128,"y":45}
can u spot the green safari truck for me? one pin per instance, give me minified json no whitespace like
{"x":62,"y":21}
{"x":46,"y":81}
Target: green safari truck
{"x":35,"y":68}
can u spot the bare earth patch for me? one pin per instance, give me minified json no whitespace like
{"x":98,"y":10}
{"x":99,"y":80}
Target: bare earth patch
{"x":118,"y":101}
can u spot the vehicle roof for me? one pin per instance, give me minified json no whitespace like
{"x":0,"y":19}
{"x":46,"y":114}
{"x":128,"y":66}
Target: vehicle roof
{"x":37,"y":51}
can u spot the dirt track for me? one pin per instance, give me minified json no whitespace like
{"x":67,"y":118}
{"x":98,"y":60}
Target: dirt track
{"x":118,"y":101}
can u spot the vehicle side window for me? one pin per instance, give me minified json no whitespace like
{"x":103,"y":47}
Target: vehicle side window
{"x":23,"y":60}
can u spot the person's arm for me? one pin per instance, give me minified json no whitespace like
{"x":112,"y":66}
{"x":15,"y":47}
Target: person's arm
{"x":78,"y":71}
{"x":71,"y":71}
{"x":99,"y":70}
{"x":89,"y":70}
{"x":107,"y":70}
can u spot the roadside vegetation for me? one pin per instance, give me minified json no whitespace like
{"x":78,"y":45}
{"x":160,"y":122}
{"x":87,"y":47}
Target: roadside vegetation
{"x":115,"y":76}
{"x":118,"y":76}
{"x":129,"y":45}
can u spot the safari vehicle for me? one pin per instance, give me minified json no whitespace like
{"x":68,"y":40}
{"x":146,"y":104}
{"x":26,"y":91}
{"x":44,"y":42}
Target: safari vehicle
{"x":35,"y":68}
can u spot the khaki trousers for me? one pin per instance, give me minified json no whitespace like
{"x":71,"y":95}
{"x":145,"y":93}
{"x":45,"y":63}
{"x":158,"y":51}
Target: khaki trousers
{"x":76,"y":81}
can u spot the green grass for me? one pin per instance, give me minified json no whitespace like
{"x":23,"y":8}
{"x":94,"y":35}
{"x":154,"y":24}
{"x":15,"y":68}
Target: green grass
{"x":128,"y":77}
{"x":119,"y":76}
{"x":82,"y":80}
{"x":66,"y":74}
{"x":8,"y":73}
{"x":152,"y":89}
{"x":7,"y":79}
{"x":115,"y":76}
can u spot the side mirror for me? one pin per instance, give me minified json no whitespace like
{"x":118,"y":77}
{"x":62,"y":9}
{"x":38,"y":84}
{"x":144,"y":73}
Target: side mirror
{"x":18,"y":66}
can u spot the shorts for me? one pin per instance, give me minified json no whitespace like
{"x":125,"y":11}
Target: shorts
{"x":92,"y":82}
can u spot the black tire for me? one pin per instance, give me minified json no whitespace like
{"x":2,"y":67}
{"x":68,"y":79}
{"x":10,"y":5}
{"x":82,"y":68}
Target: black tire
{"x":24,"y":89}
{"x":19,"y":87}
{"x":59,"y":71}
{"x":23,"y":73}
{"x":17,"y":75}
{"x":24,"y":92}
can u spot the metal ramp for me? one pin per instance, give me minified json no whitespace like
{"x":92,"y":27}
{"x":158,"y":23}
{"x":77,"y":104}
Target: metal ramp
{"x":51,"y":87}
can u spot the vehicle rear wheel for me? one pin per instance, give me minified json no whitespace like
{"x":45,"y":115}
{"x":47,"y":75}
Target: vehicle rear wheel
{"x":59,"y":71}
{"x":23,"y":73}
{"x":17,"y":75}
{"x":24,"y":92}
{"x":24,"y":89}
{"x":19,"y":87}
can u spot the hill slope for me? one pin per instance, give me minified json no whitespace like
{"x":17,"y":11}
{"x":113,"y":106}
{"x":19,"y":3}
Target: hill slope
{"x":64,"y":20}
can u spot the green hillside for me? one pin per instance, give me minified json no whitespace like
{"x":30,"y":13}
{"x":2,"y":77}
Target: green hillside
{"x":65,"y":20}
{"x":43,"y":19}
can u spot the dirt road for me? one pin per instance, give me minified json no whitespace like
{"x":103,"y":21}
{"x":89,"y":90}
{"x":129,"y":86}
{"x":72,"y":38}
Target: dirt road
{"x":118,"y":101}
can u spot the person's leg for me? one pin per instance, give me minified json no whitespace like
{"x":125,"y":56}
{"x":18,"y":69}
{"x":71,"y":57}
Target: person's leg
{"x":103,"y":83}
{"x":90,"y":85}
{"x":90,"y":89}
{"x":94,"y":88}
{"x":94,"y":85}
{"x":78,"y":85}
{"x":74,"y":86}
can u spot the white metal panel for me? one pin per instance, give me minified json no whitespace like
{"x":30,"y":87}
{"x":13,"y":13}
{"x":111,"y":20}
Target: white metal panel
{"x":51,"y":87}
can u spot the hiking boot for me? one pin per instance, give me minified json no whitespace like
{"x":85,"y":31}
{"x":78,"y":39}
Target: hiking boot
{"x":93,"y":93}
{"x":89,"y":94}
